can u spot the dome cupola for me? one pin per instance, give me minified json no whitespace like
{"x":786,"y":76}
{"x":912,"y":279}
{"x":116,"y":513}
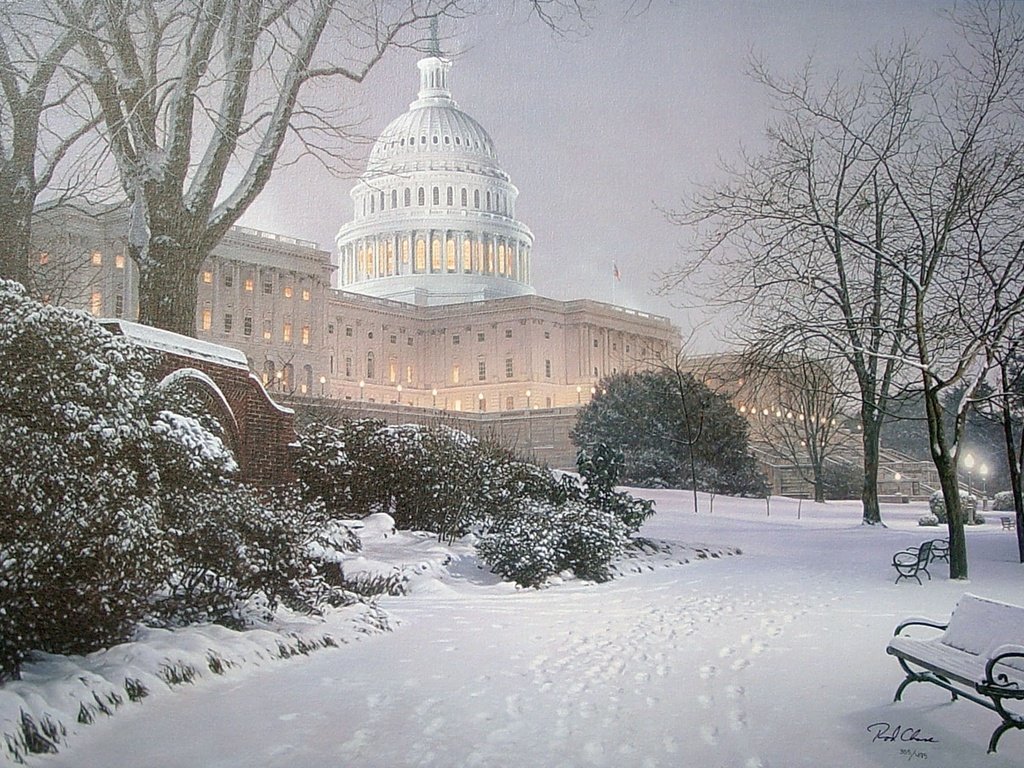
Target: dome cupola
{"x":434,"y":211}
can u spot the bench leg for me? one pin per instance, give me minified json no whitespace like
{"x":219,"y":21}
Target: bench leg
{"x":999,"y":732}
{"x":1010,"y":720}
{"x":921,"y":677}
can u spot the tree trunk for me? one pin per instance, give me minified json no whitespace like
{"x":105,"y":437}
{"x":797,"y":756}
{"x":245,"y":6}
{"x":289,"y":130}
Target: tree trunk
{"x":819,"y":484}
{"x":872,"y":513}
{"x":168,"y":285}
{"x":15,"y":235}
{"x":1013,"y":458}
{"x":946,"y":466}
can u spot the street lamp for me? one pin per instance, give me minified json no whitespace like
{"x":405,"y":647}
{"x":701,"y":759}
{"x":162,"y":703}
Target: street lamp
{"x":897,"y":477}
{"x":323,"y":383}
{"x":969,"y":464}
{"x":399,"y":393}
{"x":279,"y":376}
{"x":480,"y":401}
{"x":433,"y":393}
{"x":528,"y":393}
{"x":983,"y":471}
{"x":362,"y":386}
{"x":578,"y":390}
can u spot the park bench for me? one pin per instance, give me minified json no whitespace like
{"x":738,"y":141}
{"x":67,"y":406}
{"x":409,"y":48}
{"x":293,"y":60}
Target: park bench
{"x":1008,"y":523}
{"x":979,"y":656}
{"x":911,"y":562}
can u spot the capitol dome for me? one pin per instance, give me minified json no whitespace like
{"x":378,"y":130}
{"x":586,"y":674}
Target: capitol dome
{"x":434,"y":212}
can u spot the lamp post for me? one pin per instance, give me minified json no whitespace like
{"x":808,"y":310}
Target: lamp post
{"x":279,"y":377}
{"x":399,"y":388}
{"x":983,"y":471}
{"x":969,"y":465}
{"x":362,"y":386}
{"x":579,"y":389}
{"x":528,"y":393}
{"x":433,"y":394}
{"x":897,"y":477}
{"x":323,"y":383}
{"x":480,"y":401}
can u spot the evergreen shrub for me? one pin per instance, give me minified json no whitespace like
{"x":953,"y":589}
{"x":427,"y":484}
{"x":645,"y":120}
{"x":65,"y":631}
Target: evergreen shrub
{"x":1003,"y":502}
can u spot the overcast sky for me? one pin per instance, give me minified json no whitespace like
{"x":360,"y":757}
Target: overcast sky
{"x":600,"y":129}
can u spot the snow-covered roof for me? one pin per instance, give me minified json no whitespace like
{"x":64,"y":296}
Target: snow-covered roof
{"x":175,"y":343}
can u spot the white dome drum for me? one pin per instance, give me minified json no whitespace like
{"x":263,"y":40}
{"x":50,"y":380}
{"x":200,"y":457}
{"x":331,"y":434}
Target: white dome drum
{"x":434,"y":212}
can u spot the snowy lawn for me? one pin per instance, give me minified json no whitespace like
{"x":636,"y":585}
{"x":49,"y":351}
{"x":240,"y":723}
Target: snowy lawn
{"x":772,"y":658}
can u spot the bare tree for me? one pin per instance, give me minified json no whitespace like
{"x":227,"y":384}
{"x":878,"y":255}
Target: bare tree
{"x":768,"y":242}
{"x":198,"y":98}
{"x":895,"y":210}
{"x":42,"y":116}
{"x":804,"y":411}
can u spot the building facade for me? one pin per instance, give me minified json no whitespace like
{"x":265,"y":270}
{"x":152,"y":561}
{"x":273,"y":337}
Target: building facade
{"x":433,"y":305}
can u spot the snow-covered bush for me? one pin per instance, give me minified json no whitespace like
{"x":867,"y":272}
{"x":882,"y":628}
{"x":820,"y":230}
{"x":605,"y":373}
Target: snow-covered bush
{"x":937,"y":504}
{"x":429,"y":478}
{"x":1003,"y":502}
{"x":600,"y":470}
{"x":537,"y":540}
{"x":235,"y":555}
{"x":80,"y":541}
{"x":928,"y":520}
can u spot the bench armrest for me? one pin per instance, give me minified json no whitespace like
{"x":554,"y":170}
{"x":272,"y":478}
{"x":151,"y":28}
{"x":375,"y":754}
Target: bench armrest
{"x":917,"y":621}
{"x":1009,"y":651}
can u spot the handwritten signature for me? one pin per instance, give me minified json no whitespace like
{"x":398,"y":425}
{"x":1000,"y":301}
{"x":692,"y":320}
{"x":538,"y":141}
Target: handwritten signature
{"x":898,"y":733}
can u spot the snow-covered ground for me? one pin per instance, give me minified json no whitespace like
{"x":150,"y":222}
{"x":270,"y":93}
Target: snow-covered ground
{"x":772,"y":658}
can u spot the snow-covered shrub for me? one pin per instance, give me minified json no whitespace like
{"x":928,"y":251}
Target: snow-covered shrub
{"x":429,"y":478}
{"x":1003,"y":502}
{"x":600,"y":470}
{"x":80,"y":542}
{"x":527,"y":546}
{"x":537,"y":540}
{"x":346,"y":467}
{"x":928,"y":520}
{"x":236,"y":554}
{"x":937,"y":504}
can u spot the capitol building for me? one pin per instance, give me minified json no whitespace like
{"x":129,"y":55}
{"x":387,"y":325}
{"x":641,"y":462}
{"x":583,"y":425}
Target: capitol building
{"x":426,"y":300}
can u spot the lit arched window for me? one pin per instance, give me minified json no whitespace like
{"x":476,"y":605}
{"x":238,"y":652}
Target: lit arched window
{"x":370,"y":372}
{"x":389,"y":258}
{"x":405,"y":250}
{"x":478,"y":256}
{"x":467,"y":256}
{"x":421,"y":255}
{"x":435,"y":255}
{"x":501,"y":259}
{"x":450,"y":255}
{"x":490,"y":259}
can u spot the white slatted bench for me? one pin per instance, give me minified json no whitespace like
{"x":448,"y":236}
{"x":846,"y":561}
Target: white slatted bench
{"x":979,"y":656}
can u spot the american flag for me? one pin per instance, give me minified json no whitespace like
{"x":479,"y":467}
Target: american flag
{"x":615,"y":272}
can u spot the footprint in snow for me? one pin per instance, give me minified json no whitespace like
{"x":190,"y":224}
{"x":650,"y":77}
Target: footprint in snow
{"x":726,"y":652}
{"x":739,"y":664}
{"x":708,"y":671}
{"x":737,"y":720}
{"x":735,"y":691}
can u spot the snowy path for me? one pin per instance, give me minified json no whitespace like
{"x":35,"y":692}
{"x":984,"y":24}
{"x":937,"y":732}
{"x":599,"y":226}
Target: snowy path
{"x":774,"y":658}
